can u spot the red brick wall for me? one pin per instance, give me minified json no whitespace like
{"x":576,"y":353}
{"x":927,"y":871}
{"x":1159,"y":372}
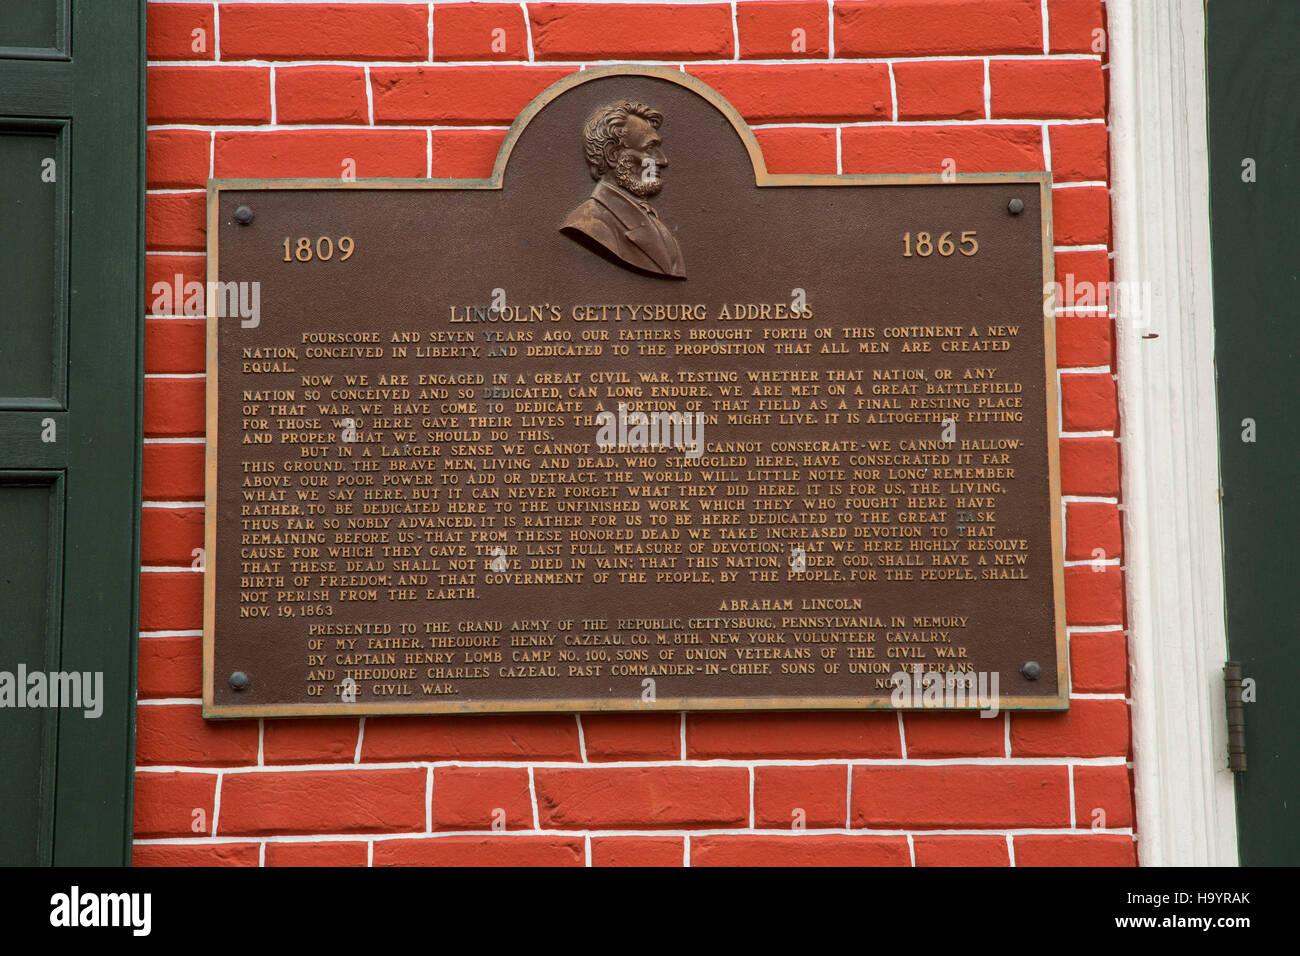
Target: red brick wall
{"x":422,"y":89}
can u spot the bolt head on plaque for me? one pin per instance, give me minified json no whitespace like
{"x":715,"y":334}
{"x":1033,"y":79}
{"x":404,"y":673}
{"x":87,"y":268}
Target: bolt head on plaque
{"x":243,"y":215}
{"x":1032,"y":670}
{"x":239,"y":680}
{"x":1016,"y":207}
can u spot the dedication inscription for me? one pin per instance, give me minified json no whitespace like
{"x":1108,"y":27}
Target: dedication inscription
{"x":697,"y":437}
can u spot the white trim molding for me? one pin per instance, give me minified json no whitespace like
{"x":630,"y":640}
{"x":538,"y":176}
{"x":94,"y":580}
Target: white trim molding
{"x":1186,"y":812}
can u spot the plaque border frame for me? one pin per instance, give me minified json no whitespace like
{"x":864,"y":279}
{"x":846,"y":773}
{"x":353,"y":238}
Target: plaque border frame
{"x":1043,"y":179}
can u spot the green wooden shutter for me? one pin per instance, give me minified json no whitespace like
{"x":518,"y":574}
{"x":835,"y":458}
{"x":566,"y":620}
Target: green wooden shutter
{"x":71,"y":346}
{"x":1254,"y":128}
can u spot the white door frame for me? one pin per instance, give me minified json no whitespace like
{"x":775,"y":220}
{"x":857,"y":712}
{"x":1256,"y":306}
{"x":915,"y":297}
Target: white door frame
{"x":1186,"y":811}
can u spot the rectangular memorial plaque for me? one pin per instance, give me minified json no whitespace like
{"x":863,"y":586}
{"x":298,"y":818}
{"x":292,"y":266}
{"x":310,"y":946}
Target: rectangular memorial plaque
{"x":632,"y":425}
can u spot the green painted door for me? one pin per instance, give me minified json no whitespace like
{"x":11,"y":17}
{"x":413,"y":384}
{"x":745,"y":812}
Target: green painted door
{"x":71,"y":83}
{"x":1254,"y":126}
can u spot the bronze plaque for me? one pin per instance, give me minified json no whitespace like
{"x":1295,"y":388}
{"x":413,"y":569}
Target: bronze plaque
{"x":632,"y":425}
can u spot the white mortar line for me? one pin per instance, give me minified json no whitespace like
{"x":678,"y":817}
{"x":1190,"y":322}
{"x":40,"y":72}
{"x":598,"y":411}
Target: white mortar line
{"x":600,"y":832}
{"x":216,"y":804}
{"x":848,"y":797}
{"x":988,"y":92}
{"x":428,"y":802}
{"x":532,"y":795}
{"x":914,"y":762}
{"x":1072,"y":820}
{"x":751,"y":797}
{"x":370,"y":99}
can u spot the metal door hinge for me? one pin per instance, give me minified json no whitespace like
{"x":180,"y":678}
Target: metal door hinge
{"x":1236,"y":717}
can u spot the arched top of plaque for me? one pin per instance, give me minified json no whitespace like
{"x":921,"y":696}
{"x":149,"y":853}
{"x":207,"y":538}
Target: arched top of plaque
{"x":661,"y":73}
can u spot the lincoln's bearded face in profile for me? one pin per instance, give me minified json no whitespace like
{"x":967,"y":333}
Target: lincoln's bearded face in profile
{"x":640,"y":158}
{"x":625,"y":156}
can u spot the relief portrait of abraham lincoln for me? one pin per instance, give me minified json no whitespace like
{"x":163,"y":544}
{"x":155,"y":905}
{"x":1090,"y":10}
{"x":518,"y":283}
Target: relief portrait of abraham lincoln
{"x":624,"y":153}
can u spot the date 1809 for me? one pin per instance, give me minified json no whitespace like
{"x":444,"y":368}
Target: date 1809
{"x":304,"y":249}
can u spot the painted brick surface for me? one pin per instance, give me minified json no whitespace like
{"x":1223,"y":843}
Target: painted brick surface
{"x":324,"y":31}
{"x":961,"y":851}
{"x":318,"y":801}
{"x":170,"y":667}
{"x":800,"y":797}
{"x":637,"y":851}
{"x":479,"y":31}
{"x":939,"y":89}
{"x":972,"y":148}
{"x":331,"y":740}
{"x":778,"y":735}
{"x":799,"y":850}
{"x":196,"y":854}
{"x":632,"y":736}
{"x":323,"y":154}
{"x":181,"y":31}
{"x":956,"y":797}
{"x":937,"y":27}
{"x":523,"y":850}
{"x":317,"y":854}
{"x":481,"y":798}
{"x":798,"y":149}
{"x":456,"y":95}
{"x":417,"y":89}
{"x":775,"y":30}
{"x":321,"y":94}
{"x":645,"y":797}
{"x":648,"y":31}
{"x":953,"y":735}
{"x":803,"y":93}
